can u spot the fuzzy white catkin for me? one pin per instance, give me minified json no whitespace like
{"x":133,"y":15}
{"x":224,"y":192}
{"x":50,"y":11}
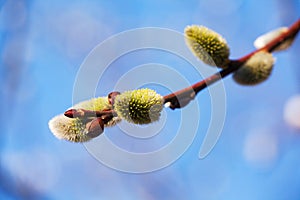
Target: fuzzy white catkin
{"x":75,"y":129}
{"x":264,"y":39}
{"x":71,"y":129}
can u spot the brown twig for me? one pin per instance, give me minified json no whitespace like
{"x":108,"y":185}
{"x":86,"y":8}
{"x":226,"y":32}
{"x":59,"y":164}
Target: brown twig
{"x":104,"y":115}
{"x":82,"y":113}
{"x":182,"y":97}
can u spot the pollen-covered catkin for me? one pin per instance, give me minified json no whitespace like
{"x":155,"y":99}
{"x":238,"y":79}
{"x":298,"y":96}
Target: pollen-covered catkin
{"x":207,"y":45}
{"x":141,"y":106}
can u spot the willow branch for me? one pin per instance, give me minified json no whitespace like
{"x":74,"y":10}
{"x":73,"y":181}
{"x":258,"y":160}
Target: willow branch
{"x":182,"y":97}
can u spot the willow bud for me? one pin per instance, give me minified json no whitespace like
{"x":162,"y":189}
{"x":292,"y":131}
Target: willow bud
{"x":71,"y":129}
{"x":80,"y":125}
{"x":255,"y":70}
{"x":141,"y":106}
{"x":207,"y":45}
{"x":264,"y":39}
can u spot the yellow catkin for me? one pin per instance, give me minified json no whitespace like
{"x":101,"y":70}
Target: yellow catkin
{"x":256,"y":70}
{"x":141,"y":106}
{"x":207,"y":45}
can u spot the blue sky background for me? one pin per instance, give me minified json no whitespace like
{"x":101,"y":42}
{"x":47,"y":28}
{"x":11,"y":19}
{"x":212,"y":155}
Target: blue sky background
{"x":42,"y":46}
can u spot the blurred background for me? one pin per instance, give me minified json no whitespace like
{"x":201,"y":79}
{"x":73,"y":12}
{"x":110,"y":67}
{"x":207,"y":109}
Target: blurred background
{"x":42,"y":46}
